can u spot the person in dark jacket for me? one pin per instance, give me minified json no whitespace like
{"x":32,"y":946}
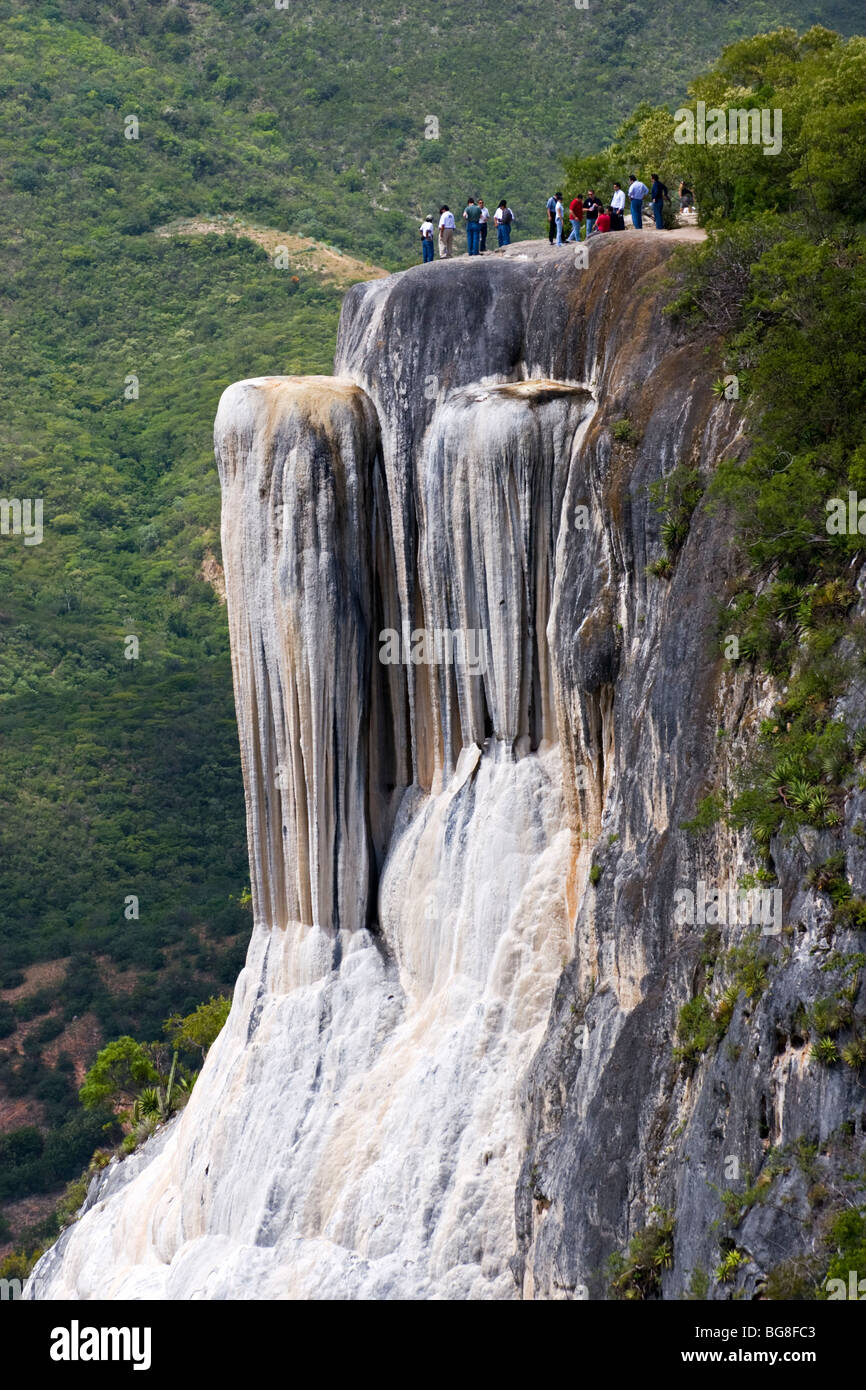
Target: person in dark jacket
{"x":658,"y":197}
{"x":592,"y":206}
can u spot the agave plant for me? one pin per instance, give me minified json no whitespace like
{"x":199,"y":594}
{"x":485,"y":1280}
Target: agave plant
{"x":829,"y":1015}
{"x":801,"y":792}
{"x":854,"y":1055}
{"x":819,"y":805}
{"x":825,"y":1052}
{"x":154,"y":1102}
{"x":147,"y":1104}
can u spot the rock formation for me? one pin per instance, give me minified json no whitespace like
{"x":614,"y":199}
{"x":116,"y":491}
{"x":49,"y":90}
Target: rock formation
{"x":449,"y":1066}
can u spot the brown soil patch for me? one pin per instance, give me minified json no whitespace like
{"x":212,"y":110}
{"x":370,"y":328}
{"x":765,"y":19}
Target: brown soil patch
{"x":212,"y":573}
{"x":302,"y":253}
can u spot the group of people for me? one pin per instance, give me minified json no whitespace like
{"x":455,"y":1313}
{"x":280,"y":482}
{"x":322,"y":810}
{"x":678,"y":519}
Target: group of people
{"x":476,"y":215}
{"x":597,"y":217}
{"x":588,"y":211}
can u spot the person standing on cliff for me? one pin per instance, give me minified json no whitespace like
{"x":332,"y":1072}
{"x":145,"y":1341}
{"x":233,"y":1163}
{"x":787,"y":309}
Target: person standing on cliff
{"x":446,"y":232}
{"x":472,"y":218}
{"x":575,"y":217}
{"x":551,"y":218}
{"x":426,"y":230}
{"x":637,"y":191}
{"x":503,"y":218}
{"x":559,"y":218}
{"x":592,"y":207}
{"x":658,"y":197}
{"x":483,"y":221}
{"x":617,"y":209}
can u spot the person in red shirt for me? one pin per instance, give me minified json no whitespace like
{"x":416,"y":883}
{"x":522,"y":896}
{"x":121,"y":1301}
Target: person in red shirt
{"x":602,"y":223}
{"x":575,"y":213}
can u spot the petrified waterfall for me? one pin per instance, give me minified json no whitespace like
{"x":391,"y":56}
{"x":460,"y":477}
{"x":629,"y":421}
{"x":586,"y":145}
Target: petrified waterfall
{"x":447,"y":1070}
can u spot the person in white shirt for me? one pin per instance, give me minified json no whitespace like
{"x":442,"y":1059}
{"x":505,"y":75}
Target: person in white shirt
{"x":637,"y":191}
{"x":446,"y":233}
{"x":426,"y":230}
{"x":617,"y":209}
{"x":484,"y":219}
{"x":559,"y":218}
{"x":503,"y":218}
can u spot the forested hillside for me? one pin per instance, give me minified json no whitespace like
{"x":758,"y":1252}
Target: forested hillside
{"x":119,"y":774}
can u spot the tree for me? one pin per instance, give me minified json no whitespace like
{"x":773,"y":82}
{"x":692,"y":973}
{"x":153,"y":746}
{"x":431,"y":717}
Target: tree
{"x":201,"y":1028}
{"x":119,"y":1072}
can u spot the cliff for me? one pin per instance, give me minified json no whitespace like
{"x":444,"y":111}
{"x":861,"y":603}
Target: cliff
{"x":471,"y":727}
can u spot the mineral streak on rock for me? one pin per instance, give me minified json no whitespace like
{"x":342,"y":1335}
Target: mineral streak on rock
{"x":448,"y":1069}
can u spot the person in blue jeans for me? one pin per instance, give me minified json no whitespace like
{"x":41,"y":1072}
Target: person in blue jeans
{"x":658,"y":194}
{"x":503,"y":217}
{"x":637,"y":191}
{"x":427,"y":242}
{"x":472,"y":218}
{"x":591,"y":208}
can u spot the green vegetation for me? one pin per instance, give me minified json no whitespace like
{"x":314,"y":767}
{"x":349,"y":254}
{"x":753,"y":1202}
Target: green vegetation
{"x":737,"y":1204}
{"x":201,"y":1028}
{"x":795,"y":1280}
{"x":782,"y":279}
{"x":637,"y":1274}
{"x":697,"y":1028}
{"x":699,"y":1286}
{"x":847,"y":1239}
{"x":820,"y":164}
{"x":704,"y":1021}
{"x":624,"y":432}
{"x":674,"y":498}
{"x":119,"y":1071}
{"x":130,"y":1089}
{"x":730,"y":1263}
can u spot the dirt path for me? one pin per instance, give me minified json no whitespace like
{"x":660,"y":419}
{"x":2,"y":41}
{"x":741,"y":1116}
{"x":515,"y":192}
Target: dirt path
{"x":302,"y":253}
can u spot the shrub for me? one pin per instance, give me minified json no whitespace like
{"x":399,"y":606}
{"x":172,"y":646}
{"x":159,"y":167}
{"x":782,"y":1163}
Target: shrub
{"x":200,"y":1029}
{"x":850,"y":914}
{"x":674,"y":498}
{"x":625,"y":433}
{"x":794,"y":1280}
{"x":637,"y":1275}
{"x":827,"y":1016}
{"x":847,"y":1238}
{"x":697,"y":1029}
{"x":119,"y":1071}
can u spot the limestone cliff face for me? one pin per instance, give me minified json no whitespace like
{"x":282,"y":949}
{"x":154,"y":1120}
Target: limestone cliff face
{"x":448,"y":1070}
